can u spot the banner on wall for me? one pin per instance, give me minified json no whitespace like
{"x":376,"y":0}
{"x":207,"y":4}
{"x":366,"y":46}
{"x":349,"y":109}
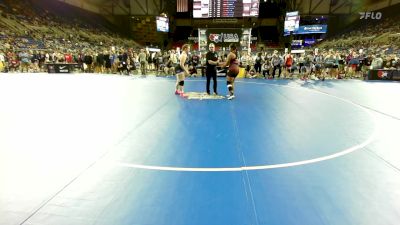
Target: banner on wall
{"x":297,"y":43}
{"x":224,"y":37}
{"x":309,"y":29}
{"x":382,"y":74}
{"x":312,"y":29}
{"x":292,"y":21}
{"x":62,"y":68}
{"x":309,"y":41}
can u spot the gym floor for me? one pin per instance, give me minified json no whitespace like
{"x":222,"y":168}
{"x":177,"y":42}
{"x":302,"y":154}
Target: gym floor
{"x":116,"y":150}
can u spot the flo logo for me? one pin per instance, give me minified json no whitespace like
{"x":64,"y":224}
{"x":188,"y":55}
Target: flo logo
{"x":215,"y":38}
{"x":370,"y":15}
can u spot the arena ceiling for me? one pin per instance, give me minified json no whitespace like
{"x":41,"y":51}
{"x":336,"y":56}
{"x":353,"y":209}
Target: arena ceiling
{"x":124,"y":7}
{"x":155,"y":7}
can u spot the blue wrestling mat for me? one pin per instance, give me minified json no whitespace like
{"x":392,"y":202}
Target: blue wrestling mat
{"x":102,"y":150}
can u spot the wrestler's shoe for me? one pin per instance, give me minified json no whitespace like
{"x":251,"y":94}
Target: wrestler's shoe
{"x":183,"y":95}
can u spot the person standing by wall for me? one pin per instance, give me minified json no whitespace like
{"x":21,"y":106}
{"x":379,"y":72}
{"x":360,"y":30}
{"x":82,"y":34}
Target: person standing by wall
{"x":276,"y":64}
{"x":258,"y":62}
{"x":143,"y":61}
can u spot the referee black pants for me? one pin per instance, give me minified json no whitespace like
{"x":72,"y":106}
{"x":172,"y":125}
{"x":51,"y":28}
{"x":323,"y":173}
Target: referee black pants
{"x":211,"y":73}
{"x":276,"y":68}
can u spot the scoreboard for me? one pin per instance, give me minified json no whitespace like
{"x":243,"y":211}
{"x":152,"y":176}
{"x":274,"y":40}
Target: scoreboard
{"x":225,"y":8}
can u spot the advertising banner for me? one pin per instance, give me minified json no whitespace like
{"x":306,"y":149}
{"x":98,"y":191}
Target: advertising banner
{"x":383,"y":74}
{"x":62,"y":68}
{"x":297,"y":43}
{"x":312,"y":29}
{"x":309,"y":41}
{"x":224,"y":37}
{"x":162,"y":24}
{"x":292,"y":21}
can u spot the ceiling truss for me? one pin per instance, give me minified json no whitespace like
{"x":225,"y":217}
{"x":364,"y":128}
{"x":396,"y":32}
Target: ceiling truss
{"x":133,"y":7}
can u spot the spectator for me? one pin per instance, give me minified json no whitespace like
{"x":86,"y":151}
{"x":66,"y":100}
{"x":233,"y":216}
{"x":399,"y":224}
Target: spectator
{"x":143,"y":61}
{"x":2,"y":61}
{"x":276,"y":62}
{"x":258,"y":62}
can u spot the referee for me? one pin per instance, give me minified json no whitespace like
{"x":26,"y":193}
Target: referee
{"x":211,"y":68}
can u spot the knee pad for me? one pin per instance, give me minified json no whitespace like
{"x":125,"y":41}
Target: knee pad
{"x":229,"y":85}
{"x":181,"y":83}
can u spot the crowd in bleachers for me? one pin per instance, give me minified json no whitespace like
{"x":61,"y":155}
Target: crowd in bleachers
{"x":370,"y":45}
{"x":31,"y":37}
{"x":47,"y":37}
{"x":317,"y":64}
{"x":371,"y":35}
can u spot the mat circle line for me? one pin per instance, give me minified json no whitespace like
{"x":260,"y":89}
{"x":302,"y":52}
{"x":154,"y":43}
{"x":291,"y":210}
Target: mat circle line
{"x":268,"y":166}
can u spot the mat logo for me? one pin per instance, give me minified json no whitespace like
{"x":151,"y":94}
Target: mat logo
{"x":215,"y":38}
{"x":202,"y":96}
{"x":370,"y":15}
